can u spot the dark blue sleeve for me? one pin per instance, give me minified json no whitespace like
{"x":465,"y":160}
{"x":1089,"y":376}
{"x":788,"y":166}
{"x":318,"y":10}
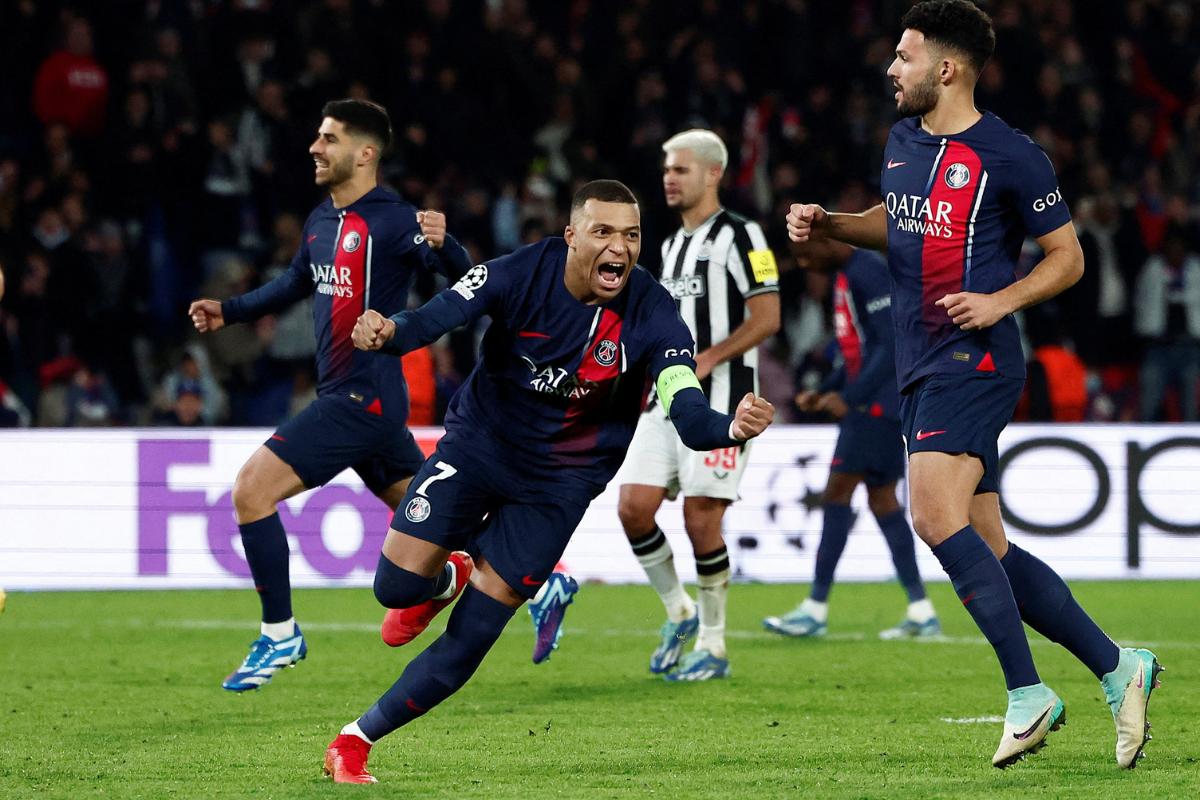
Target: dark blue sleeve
{"x":835,"y":380}
{"x":453,"y":260}
{"x":1034,"y":188}
{"x":276,"y":295}
{"x":874,"y":300}
{"x":699,"y":427}
{"x":482,"y":290}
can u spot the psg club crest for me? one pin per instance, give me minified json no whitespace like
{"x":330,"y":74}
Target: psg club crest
{"x":957,"y":176}
{"x":606,"y":353}
{"x":417,"y":510}
{"x":351,"y":241}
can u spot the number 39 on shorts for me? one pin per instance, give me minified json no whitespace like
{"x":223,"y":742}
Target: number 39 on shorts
{"x":725,"y":458}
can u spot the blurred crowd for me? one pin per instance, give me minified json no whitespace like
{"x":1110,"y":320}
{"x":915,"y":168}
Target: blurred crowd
{"x":153,"y":151}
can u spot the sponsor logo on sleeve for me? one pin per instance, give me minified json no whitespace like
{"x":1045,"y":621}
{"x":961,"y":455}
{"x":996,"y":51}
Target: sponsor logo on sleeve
{"x":1052,"y":199}
{"x":762,"y":264}
{"x":475,"y":278}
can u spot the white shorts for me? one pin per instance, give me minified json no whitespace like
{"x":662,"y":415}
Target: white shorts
{"x":656,"y":457}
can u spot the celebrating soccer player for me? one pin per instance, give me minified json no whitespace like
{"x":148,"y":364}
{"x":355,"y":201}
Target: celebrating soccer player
{"x":534,"y":435}
{"x":961,"y":190}
{"x":861,"y":395}
{"x":723,"y":277}
{"x":359,"y":251}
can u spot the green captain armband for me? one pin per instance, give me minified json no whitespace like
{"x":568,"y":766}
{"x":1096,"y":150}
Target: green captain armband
{"x":671,"y":380}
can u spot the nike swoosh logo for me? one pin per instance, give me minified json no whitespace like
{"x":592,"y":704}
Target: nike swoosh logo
{"x":1032,"y":728}
{"x":923,"y":435}
{"x":529,"y":581}
{"x":894,"y":164}
{"x":310,"y":239}
{"x":532,"y":335}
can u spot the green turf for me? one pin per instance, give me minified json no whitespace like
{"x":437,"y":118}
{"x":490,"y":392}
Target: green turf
{"x":117,"y":695}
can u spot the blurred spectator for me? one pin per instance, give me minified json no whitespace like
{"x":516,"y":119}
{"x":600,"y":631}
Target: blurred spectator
{"x":1056,"y":384}
{"x":1168,"y":316}
{"x":71,"y":87}
{"x":189,"y":395}
{"x":91,"y":401}
{"x":13,"y":413}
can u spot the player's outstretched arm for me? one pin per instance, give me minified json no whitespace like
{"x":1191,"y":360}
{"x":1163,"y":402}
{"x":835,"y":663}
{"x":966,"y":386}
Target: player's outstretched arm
{"x":206,"y":315}
{"x":409,"y":330}
{"x":867,"y":229}
{"x":699,"y":427}
{"x":451,"y":258}
{"x":1061,"y":268}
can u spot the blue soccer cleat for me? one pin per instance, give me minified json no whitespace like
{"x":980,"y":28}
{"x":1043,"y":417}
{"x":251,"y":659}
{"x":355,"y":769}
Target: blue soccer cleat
{"x":911,"y":629}
{"x":547,"y":611}
{"x":797,"y":623}
{"x":700,"y":665}
{"x":267,"y":656}
{"x":674,"y":636}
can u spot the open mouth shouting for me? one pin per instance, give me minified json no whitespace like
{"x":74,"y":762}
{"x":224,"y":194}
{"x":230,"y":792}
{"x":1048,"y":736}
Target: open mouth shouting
{"x":611,"y":273}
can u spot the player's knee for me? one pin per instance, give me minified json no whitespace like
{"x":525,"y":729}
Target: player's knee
{"x":934,"y":525}
{"x":396,"y":587}
{"x":882,"y":505}
{"x":636,"y":517}
{"x":247,"y":499}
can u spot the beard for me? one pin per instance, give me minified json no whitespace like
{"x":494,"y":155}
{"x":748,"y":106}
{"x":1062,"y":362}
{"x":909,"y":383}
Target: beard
{"x":339,"y":173}
{"x":921,"y":99}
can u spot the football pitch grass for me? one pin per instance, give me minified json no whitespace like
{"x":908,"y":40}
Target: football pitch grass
{"x":118,"y":695}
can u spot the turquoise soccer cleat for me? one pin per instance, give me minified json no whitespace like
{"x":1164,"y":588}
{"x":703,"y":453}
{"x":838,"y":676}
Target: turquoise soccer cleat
{"x":911,"y":629}
{"x":700,"y":665}
{"x":674,"y":636}
{"x":1127,"y":690}
{"x":797,"y":623}
{"x":267,"y":656}
{"x":1033,"y":711}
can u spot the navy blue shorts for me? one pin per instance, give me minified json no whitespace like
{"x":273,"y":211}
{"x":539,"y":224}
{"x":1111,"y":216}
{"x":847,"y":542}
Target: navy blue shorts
{"x":527,"y":526}
{"x":336,"y":432}
{"x":871,"y":447}
{"x":961,"y":413}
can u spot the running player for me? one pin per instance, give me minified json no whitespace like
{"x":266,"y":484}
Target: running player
{"x":861,"y":395}
{"x":535,"y":434}
{"x":359,"y":251}
{"x":723,"y":277}
{"x":962,"y":189}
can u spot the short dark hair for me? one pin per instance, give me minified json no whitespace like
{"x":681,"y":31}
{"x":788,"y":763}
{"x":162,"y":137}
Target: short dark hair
{"x":958,"y":24}
{"x":362,"y":117}
{"x":606,"y":191}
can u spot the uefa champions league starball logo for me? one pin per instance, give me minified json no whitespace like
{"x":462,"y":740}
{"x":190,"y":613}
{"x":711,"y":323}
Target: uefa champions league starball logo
{"x":351,"y":241}
{"x":606,"y":353}
{"x":957,"y":175}
{"x":417,"y":510}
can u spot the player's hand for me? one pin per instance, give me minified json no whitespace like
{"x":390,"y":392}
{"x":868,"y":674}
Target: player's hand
{"x":752,"y":417}
{"x":805,"y":219}
{"x":833,"y":404}
{"x":704,"y":364}
{"x":206,"y":315}
{"x":807,"y":400}
{"x":972,"y":311}
{"x":433,"y":227}
{"x":372,"y":330}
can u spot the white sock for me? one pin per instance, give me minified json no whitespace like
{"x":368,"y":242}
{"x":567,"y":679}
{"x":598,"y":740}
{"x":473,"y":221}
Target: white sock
{"x":712,"y":579}
{"x":353,"y":730}
{"x":279,"y":630}
{"x":816,"y":609}
{"x":448,"y":592}
{"x":921,"y":610}
{"x":655,"y":556}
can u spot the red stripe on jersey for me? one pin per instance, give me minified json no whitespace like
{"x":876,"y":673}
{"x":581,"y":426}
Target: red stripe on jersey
{"x":601,"y":365}
{"x":349,"y":291}
{"x":849,"y":338}
{"x":603,"y":359}
{"x":950,"y":200}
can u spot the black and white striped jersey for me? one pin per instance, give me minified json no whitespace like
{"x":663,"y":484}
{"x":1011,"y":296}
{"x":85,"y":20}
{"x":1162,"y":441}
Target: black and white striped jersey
{"x":711,"y":272}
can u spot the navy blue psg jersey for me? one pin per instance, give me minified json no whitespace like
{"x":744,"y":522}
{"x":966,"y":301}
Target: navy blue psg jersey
{"x":862,"y":323}
{"x":958,"y":208}
{"x":351,"y":259}
{"x":559,"y":384}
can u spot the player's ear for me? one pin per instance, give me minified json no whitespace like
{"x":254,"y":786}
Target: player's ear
{"x":569,"y":235}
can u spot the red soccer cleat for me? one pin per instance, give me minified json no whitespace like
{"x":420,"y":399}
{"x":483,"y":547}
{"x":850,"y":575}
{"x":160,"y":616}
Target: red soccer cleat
{"x":346,"y":760}
{"x":402,"y":625}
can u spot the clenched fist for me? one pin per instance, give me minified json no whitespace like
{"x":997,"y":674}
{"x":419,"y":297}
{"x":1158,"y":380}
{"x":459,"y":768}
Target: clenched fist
{"x":433,"y":227}
{"x":803,"y":219}
{"x":206,"y":315}
{"x":372,"y":331}
{"x":752,"y":417}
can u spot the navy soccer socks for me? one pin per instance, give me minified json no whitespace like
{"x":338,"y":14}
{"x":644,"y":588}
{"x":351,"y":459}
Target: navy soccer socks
{"x":834,"y":531}
{"x":982,"y":585}
{"x":904,"y":554}
{"x":1047,"y":605}
{"x":267,"y":554}
{"x":396,"y":587}
{"x":442,"y":668}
